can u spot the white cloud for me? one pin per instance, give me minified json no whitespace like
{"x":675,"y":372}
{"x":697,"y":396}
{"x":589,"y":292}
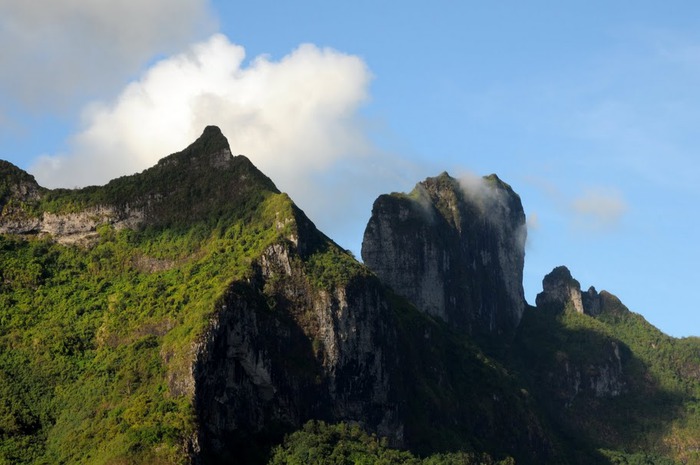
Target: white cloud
{"x":55,"y":50}
{"x":291,"y":117}
{"x":598,"y":209}
{"x":295,"y":118}
{"x":533,"y":221}
{"x":487,"y":196}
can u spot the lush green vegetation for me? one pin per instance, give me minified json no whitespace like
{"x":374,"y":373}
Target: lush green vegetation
{"x":93,"y":340}
{"x":318,"y":443}
{"x":638,"y":458}
{"x":330,"y":266}
{"x":654,"y":419}
{"x":89,"y":338}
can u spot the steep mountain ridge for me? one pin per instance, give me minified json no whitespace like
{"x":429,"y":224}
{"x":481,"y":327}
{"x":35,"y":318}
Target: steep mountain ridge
{"x":193,"y":314}
{"x":179,"y":190}
{"x":113,"y":325}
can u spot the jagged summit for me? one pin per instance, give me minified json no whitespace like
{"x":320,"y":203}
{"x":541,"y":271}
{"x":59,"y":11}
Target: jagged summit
{"x":561,"y":290}
{"x":204,"y":161}
{"x":455,"y":248}
{"x":211,"y":148}
{"x":203,"y":182}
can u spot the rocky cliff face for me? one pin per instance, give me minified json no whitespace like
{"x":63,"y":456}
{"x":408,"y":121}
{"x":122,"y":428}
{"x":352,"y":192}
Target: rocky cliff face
{"x":21,"y":211}
{"x":73,"y":228}
{"x":560,"y":290}
{"x":453,"y":248}
{"x":595,"y":377}
{"x":281,"y":351}
{"x":284,"y":347}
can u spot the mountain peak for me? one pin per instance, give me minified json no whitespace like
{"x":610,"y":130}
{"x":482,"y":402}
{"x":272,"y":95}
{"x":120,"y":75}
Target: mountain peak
{"x":212,"y":130}
{"x":204,"y":180}
{"x":455,"y":249}
{"x":200,"y":183}
{"x":210,"y":150}
{"x":561,"y":290}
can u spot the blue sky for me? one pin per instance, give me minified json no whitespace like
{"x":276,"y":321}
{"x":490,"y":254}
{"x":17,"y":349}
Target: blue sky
{"x":588,"y":109}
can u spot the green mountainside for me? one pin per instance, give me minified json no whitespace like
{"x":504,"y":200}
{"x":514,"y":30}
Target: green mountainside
{"x":612,"y":382}
{"x":192,"y":314}
{"x":93,"y":337}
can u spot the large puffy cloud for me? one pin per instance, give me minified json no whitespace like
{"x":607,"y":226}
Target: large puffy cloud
{"x":292,"y":117}
{"x":296,"y":118}
{"x":55,"y":51}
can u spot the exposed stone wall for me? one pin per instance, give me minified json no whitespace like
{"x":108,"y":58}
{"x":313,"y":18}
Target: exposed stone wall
{"x":72,"y":228}
{"x":560,"y":289}
{"x":455,"y":250}
{"x":281,"y":352}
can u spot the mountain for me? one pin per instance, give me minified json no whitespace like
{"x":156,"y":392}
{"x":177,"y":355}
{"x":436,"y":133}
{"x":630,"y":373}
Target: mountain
{"x":454,"y":249}
{"x":608,"y":379}
{"x":193,"y":314}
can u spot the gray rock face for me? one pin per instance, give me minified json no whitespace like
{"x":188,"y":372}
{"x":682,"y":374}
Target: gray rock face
{"x":601,"y":378}
{"x":560,"y":289}
{"x":74,"y":228}
{"x":280,"y":352}
{"x":455,"y":249}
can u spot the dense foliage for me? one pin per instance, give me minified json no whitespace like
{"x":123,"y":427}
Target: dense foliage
{"x":318,"y":443}
{"x":94,"y":338}
{"x":90,"y":337}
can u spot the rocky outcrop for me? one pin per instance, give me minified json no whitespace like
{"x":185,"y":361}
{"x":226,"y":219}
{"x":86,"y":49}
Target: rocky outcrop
{"x":455,"y":248}
{"x":17,"y":185}
{"x":18,"y":191}
{"x":597,"y":372}
{"x":73,"y":228}
{"x":600,"y":375}
{"x":21,"y":212}
{"x":560,"y":290}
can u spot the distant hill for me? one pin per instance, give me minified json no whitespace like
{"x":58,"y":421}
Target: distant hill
{"x":193,"y":314}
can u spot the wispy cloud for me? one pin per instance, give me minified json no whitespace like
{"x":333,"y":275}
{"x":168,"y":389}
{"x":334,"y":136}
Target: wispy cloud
{"x":533,"y":221}
{"x":590,"y":208}
{"x":55,"y":51}
{"x":598,"y":209}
